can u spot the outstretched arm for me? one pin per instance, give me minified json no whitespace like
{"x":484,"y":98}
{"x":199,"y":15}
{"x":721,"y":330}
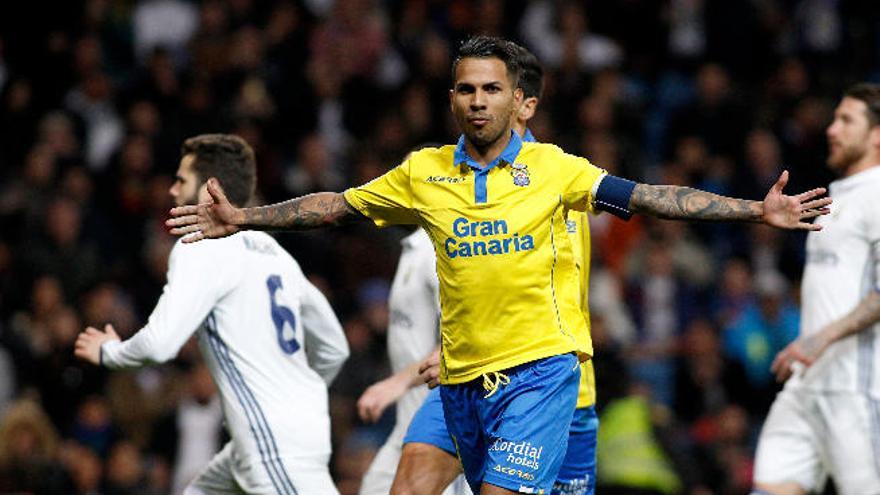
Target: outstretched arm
{"x":777,"y":209}
{"x":807,"y":348}
{"x":220,"y":218}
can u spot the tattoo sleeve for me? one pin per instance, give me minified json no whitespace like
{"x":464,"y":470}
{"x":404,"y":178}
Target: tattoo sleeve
{"x":306,"y":212}
{"x":675,"y":202}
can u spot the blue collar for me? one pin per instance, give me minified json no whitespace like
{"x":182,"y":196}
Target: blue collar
{"x":507,"y":156}
{"x":528,"y":137}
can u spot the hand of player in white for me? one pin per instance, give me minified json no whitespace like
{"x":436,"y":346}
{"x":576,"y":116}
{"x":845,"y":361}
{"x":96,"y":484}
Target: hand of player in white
{"x":429,"y":370}
{"x":788,"y":212}
{"x":206,"y":220}
{"x":805,"y":349}
{"x":379,"y":396}
{"x":88,"y":343}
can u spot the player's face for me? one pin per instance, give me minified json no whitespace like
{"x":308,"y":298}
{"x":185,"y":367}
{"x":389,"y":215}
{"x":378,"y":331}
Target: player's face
{"x":848,"y":134}
{"x":483,"y":100}
{"x":185,"y":189}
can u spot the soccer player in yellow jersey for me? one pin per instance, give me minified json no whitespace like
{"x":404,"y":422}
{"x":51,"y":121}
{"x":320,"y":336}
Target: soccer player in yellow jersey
{"x":426,"y":464}
{"x":495,"y":208}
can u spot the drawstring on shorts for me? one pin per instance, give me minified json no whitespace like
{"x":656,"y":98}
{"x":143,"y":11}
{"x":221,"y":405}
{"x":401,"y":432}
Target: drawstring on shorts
{"x":492,"y":380}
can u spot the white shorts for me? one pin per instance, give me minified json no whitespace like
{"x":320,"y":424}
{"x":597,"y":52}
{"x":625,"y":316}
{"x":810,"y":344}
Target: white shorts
{"x":810,"y":436}
{"x":380,"y":476}
{"x":229,"y":473}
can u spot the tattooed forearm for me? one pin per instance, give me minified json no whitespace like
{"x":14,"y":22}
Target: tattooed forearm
{"x":675,"y":202}
{"x":303,"y":213}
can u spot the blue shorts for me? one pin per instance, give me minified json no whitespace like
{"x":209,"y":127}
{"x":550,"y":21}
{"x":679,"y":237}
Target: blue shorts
{"x":517,"y":437}
{"x":578,"y":473}
{"x":429,"y":425}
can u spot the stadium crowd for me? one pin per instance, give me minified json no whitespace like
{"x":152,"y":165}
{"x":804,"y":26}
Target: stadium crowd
{"x":96,"y":97}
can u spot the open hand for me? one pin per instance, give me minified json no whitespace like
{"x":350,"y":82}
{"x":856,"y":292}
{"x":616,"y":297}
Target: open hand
{"x":89,"y":342}
{"x":206,"y":220}
{"x":789,"y":212}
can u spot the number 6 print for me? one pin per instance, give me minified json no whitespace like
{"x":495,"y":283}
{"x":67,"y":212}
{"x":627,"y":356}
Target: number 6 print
{"x":281,"y":314}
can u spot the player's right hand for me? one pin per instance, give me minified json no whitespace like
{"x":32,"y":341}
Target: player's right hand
{"x":89,"y":342}
{"x":206,"y":220}
{"x":429,"y":370}
{"x":805,"y":350}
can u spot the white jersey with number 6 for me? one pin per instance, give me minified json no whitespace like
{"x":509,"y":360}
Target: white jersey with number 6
{"x":272,"y":343}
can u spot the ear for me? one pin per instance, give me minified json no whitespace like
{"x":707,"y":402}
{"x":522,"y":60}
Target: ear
{"x":528,"y":108}
{"x":874,"y":137}
{"x":518,"y":96}
{"x":451,"y":97}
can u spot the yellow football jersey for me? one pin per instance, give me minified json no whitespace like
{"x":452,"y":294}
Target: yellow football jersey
{"x":579,"y":230}
{"x":509,"y":283}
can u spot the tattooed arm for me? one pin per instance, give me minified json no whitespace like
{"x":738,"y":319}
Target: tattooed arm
{"x":807,"y":348}
{"x":306,"y":212}
{"x":220,"y":218}
{"x":777,"y":209}
{"x":675,"y":202}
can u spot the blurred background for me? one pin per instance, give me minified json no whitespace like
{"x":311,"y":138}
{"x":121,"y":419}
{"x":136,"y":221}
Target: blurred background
{"x":96,"y":97}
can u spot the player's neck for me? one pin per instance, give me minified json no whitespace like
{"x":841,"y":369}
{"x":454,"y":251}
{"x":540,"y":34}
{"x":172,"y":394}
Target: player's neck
{"x":485,"y":155}
{"x":868,"y":161}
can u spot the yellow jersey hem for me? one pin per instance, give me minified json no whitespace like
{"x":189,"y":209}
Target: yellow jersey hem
{"x":458,"y":379}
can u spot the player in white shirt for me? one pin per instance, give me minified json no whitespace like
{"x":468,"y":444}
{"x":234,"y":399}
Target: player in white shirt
{"x":826,"y":421}
{"x":269,"y":338}
{"x":414,"y":307}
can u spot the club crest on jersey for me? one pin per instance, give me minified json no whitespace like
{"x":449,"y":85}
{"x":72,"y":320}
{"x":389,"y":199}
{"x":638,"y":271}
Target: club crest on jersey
{"x":520,"y":173}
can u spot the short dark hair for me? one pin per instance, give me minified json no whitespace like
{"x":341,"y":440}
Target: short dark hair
{"x":490,"y":47}
{"x":531,"y":74}
{"x":869,"y":94}
{"x":227,"y":157}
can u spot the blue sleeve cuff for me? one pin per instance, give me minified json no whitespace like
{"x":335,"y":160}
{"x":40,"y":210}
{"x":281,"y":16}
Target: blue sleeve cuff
{"x":613,"y":196}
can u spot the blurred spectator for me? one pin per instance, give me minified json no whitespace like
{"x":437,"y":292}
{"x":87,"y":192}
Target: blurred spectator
{"x":314,"y":170}
{"x":29,"y":452}
{"x":764,"y":327}
{"x":189,"y":435}
{"x":559,"y":34}
{"x":85,"y":468}
{"x":163,"y":23}
{"x":706,"y":380}
{"x":631,"y":459}
{"x":126,"y":471}
{"x":662,"y":304}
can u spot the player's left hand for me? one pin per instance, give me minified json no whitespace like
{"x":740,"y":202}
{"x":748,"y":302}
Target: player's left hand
{"x":789,"y":212}
{"x":88,"y":343}
{"x":206,"y":220}
{"x":805,"y":349}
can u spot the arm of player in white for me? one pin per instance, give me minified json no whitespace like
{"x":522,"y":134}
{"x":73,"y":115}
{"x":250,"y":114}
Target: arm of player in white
{"x":194,"y":286}
{"x":326,"y":347}
{"x":806,"y":349}
{"x":378,"y":396}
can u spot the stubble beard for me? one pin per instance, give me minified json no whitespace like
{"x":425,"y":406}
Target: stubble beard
{"x":845,"y":157}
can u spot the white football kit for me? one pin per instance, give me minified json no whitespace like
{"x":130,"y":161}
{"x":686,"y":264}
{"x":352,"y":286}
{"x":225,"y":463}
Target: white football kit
{"x":272,"y":344}
{"x":826,"y":421}
{"x":413,"y":332}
